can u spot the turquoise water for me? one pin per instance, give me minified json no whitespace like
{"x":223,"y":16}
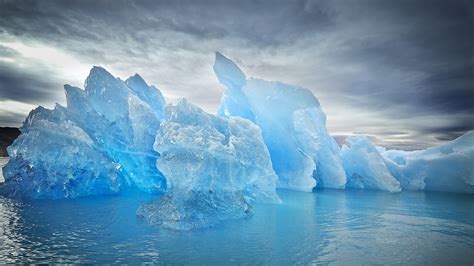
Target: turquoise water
{"x":328,"y":226}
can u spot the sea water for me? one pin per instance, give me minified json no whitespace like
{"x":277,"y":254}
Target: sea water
{"x":327,"y":226}
{"x":3,"y":162}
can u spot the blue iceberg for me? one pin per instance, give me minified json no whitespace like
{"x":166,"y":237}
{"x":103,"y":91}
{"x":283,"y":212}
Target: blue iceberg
{"x":214,"y":167}
{"x":117,"y":136}
{"x":365,"y":167}
{"x":101,"y":143}
{"x":293,"y":125}
{"x":55,"y":158}
{"x":448,"y":167}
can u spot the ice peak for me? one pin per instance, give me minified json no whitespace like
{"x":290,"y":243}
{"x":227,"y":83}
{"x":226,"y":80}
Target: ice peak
{"x":228,"y":72}
{"x":73,"y":94}
{"x":149,"y":94}
{"x":97,"y":71}
{"x":98,"y":76}
{"x":71,"y":89}
{"x":136,"y":80}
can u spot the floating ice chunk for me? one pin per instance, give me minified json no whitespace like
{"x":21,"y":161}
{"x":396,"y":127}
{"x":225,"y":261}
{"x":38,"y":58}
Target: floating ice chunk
{"x":101,"y":143}
{"x":292,"y":123}
{"x":365,"y":167}
{"x":54,"y":158}
{"x":214,"y":168}
{"x":448,"y":167}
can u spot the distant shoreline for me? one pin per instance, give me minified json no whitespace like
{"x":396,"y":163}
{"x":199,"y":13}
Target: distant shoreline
{"x":7,"y":136}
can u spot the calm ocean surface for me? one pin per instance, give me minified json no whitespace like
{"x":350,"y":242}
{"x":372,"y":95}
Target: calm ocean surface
{"x":328,"y":226}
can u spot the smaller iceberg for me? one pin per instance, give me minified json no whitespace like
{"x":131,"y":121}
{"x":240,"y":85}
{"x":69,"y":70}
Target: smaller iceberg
{"x":214,"y":167}
{"x":101,"y":143}
{"x":365,"y":167}
{"x":448,"y":167}
{"x":293,"y":126}
{"x":55,"y":158}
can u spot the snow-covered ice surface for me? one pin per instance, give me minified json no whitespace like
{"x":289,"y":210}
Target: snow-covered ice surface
{"x":214,"y":168}
{"x":293,"y":126}
{"x":101,"y":143}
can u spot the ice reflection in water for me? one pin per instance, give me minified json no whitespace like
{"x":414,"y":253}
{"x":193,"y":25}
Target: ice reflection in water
{"x":328,"y":226}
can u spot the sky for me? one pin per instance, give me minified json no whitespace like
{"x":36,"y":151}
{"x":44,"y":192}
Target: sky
{"x":400,"y":71}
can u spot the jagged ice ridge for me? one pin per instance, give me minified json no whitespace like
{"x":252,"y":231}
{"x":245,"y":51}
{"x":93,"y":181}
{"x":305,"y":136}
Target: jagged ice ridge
{"x":101,"y":143}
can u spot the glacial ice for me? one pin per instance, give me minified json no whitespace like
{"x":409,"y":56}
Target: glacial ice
{"x":293,"y":125}
{"x":365,"y":167}
{"x":72,"y":168}
{"x":448,"y":167}
{"x":115,"y":136}
{"x":101,"y":143}
{"x":214,"y":168}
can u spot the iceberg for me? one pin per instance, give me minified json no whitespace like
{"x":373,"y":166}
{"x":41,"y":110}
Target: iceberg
{"x":74,"y":167}
{"x":293,"y":125}
{"x":115,"y":136}
{"x":365,"y":167}
{"x":101,"y":143}
{"x":214,"y":168}
{"x":447,"y":168}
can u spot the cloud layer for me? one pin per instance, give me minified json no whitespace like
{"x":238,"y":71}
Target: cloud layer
{"x":400,"y":71}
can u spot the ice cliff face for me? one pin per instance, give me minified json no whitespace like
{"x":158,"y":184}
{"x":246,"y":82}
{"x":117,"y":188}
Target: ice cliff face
{"x":365,"y":167}
{"x":305,"y":156}
{"x":293,"y":125}
{"x":214,"y":167}
{"x":101,"y":143}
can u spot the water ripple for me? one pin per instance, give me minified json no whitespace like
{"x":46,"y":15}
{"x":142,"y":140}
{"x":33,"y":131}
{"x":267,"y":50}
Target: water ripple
{"x":330,"y":226}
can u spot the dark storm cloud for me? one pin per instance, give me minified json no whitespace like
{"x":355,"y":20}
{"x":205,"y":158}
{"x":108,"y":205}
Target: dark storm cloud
{"x":23,"y":81}
{"x":448,"y":132}
{"x":203,"y":18}
{"x":401,"y":66}
{"x":416,"y":59}
{"x":7,"y":52}
{"x":26,"y":87}
{"x":11,"y":118}
{"x":164,"y":36}
{"x":432,"y":48}
{"x":257,"y":23}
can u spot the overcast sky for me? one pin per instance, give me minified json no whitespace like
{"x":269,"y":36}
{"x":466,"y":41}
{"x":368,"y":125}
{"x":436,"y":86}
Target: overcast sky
{"x":399,"y":71}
